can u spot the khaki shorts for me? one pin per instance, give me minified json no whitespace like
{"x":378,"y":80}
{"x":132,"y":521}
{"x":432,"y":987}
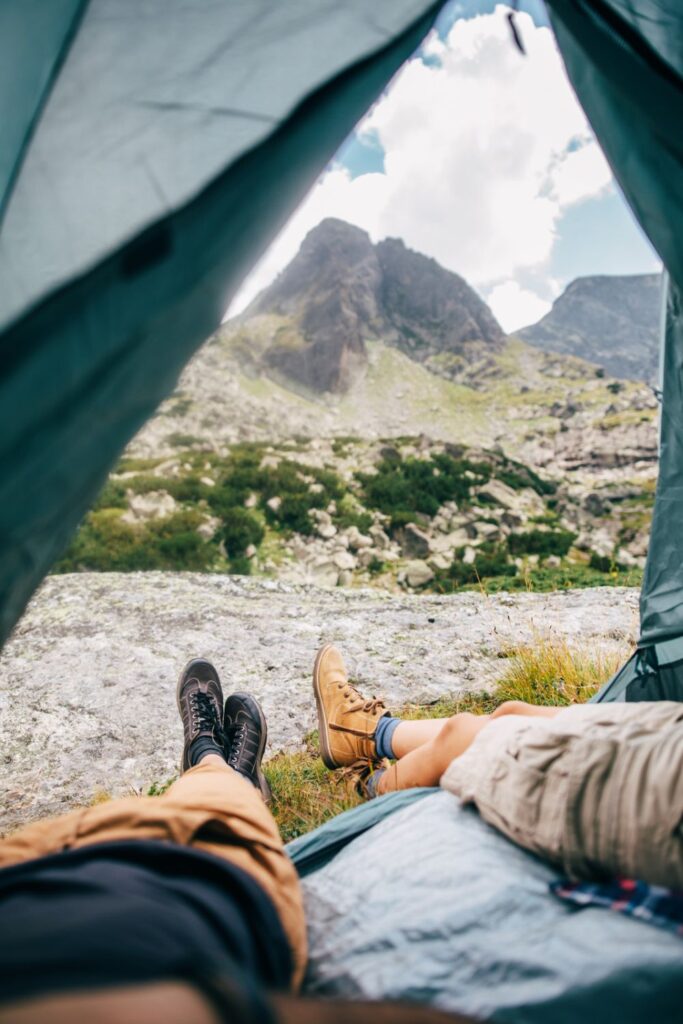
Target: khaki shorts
{"x":598,"y":789}
{"x":209,"y":808}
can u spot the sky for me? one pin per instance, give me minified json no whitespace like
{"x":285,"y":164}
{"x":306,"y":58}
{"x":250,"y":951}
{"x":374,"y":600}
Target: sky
{"x":483,"y":159}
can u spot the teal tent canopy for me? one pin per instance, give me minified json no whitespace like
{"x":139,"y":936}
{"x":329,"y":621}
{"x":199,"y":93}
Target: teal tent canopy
{"x":151,"y":149}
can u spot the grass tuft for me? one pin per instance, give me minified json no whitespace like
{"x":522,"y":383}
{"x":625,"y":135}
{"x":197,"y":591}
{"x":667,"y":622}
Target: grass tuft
{"x":552,"y":673}
{"x":305,"y":793}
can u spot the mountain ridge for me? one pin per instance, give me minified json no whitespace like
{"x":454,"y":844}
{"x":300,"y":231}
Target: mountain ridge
{"x":609,"y":319}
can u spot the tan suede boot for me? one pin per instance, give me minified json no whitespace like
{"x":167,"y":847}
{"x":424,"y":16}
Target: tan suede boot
{"x":346,"y":719}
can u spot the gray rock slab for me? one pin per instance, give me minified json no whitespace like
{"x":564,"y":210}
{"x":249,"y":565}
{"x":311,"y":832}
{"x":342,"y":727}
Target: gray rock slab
{"x":87,"y":681}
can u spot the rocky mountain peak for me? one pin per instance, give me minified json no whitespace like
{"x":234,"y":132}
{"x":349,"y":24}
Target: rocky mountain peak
{"x":341,"y":291}
{"x":612,"y":320}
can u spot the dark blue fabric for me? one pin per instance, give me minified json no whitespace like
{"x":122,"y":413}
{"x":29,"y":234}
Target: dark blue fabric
{"x":136,"y":911}
{"x":386,"y":727}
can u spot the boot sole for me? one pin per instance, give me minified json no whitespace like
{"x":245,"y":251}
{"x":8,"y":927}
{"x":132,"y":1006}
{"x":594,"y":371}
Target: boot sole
{"x":263,"y":785}
{"x":325,"y":751}
{"x":181,"y":680}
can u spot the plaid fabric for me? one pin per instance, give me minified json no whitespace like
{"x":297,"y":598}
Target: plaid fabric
{"x":653,"y":903}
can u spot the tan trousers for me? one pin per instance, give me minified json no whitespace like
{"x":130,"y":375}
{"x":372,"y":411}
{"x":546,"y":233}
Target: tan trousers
{"x":598,"y":789}
{"x":211,"y":808}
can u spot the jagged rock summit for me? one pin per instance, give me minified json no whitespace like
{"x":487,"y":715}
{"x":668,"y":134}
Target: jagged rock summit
{"x":341,"y":291}
{"x":610,"y":320}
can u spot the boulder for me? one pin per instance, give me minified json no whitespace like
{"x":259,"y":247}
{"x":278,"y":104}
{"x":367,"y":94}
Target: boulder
{"x":326,"y":530}
{"x":415,"y":541}
{"x":486,"y":531}
{"x":344,"y":560}
{"x":357,"y":539}
{"x":418,"y":573}
{"x":153,"y":505}
{"x":379,"y":537}
{"x":207,"y":529}
{"x":274,"y":503}
{"x":450,"y":542}
{"x":498,"y":493}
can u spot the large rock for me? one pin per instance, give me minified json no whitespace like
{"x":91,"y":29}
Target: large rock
{"x":152,"y":505}
{"x":416,"y":542}
{"x":418,"y":573}
{"x":87,"y":682}
{"x":500,"y":494}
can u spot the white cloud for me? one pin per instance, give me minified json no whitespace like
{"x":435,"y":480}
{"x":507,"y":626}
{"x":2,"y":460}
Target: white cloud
{"x":516,"y":307}
{"x":484,"y":151}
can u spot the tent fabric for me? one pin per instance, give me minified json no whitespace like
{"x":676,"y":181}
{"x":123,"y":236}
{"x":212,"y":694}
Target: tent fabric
{"x":315,"y":849}
{"x":625,"y":60}
{"x":433,"y":905}
{"x":178,"y":138}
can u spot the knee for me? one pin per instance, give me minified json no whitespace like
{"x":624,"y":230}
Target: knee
{"x":510,"y":707}
{"x":454,"y":727}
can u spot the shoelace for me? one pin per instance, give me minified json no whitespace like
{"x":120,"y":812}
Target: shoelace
{"x":203,"y":712}
{"x":236,"y":737}
{"x":368,"y":705}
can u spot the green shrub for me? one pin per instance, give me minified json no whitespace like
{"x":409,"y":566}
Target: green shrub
{"x":240,"y":566}
{"x":492,"y":560}
{"x":401,"y":486}
{"x":175,"y":543}
{"x":350,"y":513}
{"x":188,"y":488}
{"x":601,"y":563}
{"x":106,"y":544}
{"x":521,"y":476}
{"x":293,"y":513}
{"x":112,"y":495}
{"x":240,"y":529}
{"x":541,"y":542}
{"x":146,"y":482}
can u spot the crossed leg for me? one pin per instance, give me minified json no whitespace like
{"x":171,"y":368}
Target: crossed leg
{"x":424,"y":749}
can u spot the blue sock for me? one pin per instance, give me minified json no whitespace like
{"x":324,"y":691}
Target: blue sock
{"x":386,"y":727}
{"x":371,"y":783}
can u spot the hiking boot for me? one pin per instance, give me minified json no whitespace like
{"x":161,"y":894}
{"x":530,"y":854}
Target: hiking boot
{"x":246,"y":732}
{"x":200,"y":703}
{"x":346,"y":719}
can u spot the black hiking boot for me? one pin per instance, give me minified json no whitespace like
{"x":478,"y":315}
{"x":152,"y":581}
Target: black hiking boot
{"x":200,"y":703}
{"x":246,"y":732}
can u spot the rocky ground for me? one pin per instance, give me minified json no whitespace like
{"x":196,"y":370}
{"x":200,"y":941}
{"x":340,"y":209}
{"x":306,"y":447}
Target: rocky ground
{"x":87,"y":702}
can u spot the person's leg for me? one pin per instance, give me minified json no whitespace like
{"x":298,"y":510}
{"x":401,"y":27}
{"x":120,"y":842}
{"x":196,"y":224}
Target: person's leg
{"x":410,"y":734}
{"x":424,"y":765}
{"x":428,"y":752}
{"x":228,"y":818}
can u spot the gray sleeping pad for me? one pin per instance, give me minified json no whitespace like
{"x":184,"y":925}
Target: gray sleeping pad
{"x":432,"y":904}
